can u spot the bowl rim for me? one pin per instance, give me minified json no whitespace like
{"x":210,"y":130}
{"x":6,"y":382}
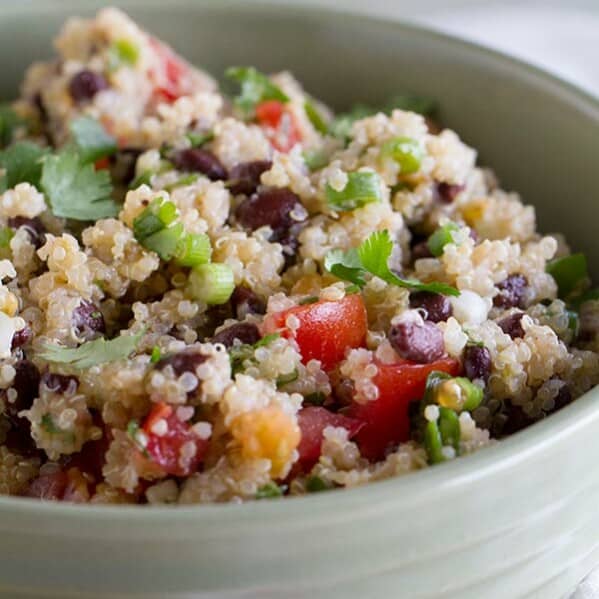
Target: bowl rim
{"x":377,"y":496}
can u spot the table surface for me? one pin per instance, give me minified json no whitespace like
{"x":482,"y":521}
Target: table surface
{"x":561,"y":36}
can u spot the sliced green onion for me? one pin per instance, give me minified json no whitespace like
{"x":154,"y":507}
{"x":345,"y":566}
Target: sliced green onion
{"x":6,"y":234}
{"x":187,"y":180}
{"x":363,"y":187}
{"x":449,"y":428}
{"x":315,"y":117}
{"x":144,"y":179}
{"x":193,"y":249}
{"x":573,"y":322}
{"x":155,"y":219}
{"x":212,"y":283}
{"x":270,"y":491}
{"x":122,"y":52}
{"x":316,"y":159}
{"x":167,"y":212}
{"x":315,"y":484}
{"x":569,"y":272}
{"x":156,"y":355}
{"x":473,"y":394}
{"x":199,"y":139}
{"x":441,"y":237}
{"x":165,"y":242}
{"x":406,"y":151}
{"x":433,"y":444}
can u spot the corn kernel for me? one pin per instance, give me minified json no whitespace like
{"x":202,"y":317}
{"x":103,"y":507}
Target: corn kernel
{"x":473,"y":212}
{"x":267,"y":434}
{"x":449,"y":394}
{"x":9,"y":304}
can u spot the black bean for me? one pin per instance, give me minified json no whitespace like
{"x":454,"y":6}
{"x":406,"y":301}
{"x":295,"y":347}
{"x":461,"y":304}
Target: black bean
{"x":86,"y":84}
{"x":245,"y":301}
{"x":273,"y":208}
{"x":244,"y":178}
{"x":33,"y":226}
{"x":477,"y":362}
{"x":185,"y":361}
{"x":421,"y":343}
{"x":516,"y":419}
{"x":88,"y":321}
{"x":59,"y":383}
{"x":421,"y":250}
{"x":245,"y":332}
{"x":26,"y":384}
{"x":437,"y":307}
{"x":343,"y":391}
{"x":563,"y":398}
{"x":512,"y":325}
{"x":199,"y":161}
{"x":448,"y":192}
{"x":123,"y":165}
{"x":512,"y":292}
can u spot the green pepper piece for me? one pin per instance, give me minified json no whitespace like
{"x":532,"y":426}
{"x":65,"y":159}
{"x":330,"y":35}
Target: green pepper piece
{"x":569,"y":272}
{"x":449,"y":428}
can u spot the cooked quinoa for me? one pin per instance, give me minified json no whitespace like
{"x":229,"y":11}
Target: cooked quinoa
{"x":210,"y":296}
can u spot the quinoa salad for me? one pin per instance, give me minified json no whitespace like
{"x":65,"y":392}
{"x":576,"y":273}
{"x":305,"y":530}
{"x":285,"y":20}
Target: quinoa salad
{"x":223,"y":293}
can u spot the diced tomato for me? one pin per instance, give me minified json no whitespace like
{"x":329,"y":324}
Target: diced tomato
{"x":312,"y":422}
{"x":278,"y":124}
{"x":102,"y":163}
{"x":386,"y":420}
{"x":327,"y":329}
{"x":171,"y":79}
{"x":166,"y":449}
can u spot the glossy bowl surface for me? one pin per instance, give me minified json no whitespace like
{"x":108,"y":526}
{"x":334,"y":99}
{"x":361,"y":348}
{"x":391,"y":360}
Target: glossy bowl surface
{"x":517,"y":520}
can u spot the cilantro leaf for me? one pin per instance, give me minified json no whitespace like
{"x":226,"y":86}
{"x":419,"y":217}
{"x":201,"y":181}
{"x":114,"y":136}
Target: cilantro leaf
{"x":372,"y":256}
{"x":91,"y":139}
{"x":98,"y":351}
{"x":255,"y":88}
{"x":75,"y":189}
{"x":22,"y":162}
{"x":346,"y":266}
{"x":9,"y":121}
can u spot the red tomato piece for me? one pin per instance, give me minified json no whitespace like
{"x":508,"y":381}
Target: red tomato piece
{"x":312,"y":422}
{"x":327,"y":329}
{"x":165,"y":448}
{"x":171,"y":80}
{"x":278,"y":124}
{"x":386,"y":420}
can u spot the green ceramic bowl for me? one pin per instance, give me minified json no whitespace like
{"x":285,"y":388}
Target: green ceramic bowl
{"x":516,"y":520}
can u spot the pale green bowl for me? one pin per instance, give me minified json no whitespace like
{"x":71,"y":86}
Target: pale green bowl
{"x":517,"y":520}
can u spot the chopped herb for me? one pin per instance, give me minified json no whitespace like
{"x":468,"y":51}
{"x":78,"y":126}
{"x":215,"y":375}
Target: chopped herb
{"x":315,"y":399}
{"x":346,"y":266}
{"x":91,"y":139}
{"x":181,"y":182}
{"x":315,"y":484}
{"x":285,"y":379}
{"x":315,"y":117}
{"x":441,"y":237}
{"x":122,"y":53}
{"x":573,"y":322}
{"x":372,"y":256}
{"x":255,"y":88}
{"x":238,"y":354}
{"x":91,"y":353}
{"x":49,"y":425}
{"x":316,"y":159}
{"x":75,"y":189}
{"x":199,"y":139}
{"x":22,"y":162}
{"x":363,"y":187}
{"x":156,"y":355}
{"x":270,"y":491}
{"x":351,"y":289}
{"x":569,"y":272}
{"x":6,"y":234}
{"x":342,"y":124}
{"x":133,"y":432}
{"x":311,"y":299}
